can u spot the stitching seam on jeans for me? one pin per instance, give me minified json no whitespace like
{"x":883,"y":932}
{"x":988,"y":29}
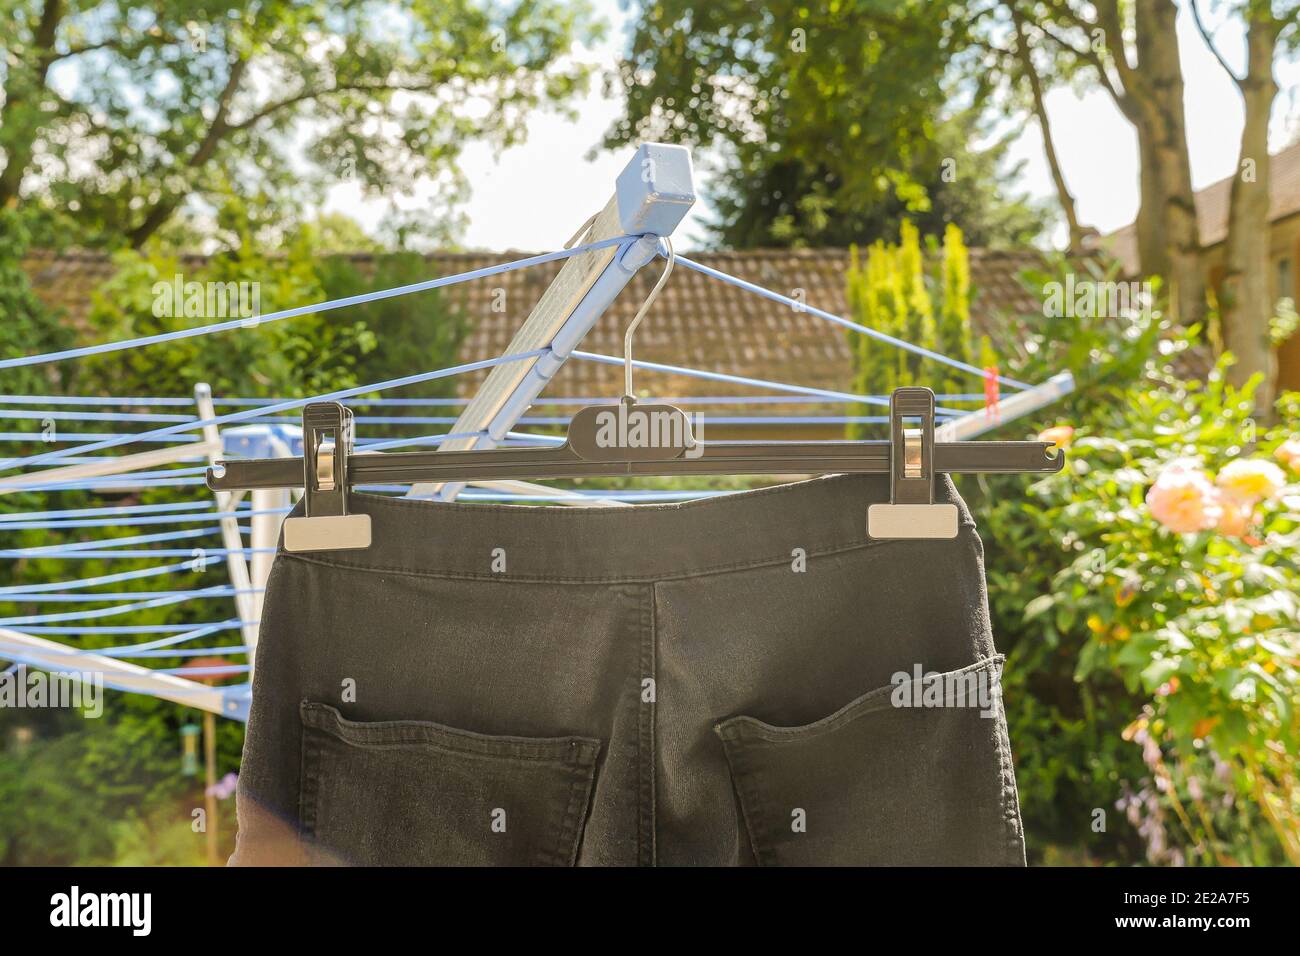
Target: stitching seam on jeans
{"x":753,"y":803}
{"x":308,"y":784}
{"x":580,"y":792}
{"x":1009,"y":798}
{"x":561,"y":847}
{"x":744,"y":729}
{"x":647,"y":714}
{"x":393,"y":734}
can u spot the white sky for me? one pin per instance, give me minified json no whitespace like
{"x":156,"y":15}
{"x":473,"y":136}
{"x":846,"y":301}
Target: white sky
{"x":533,"y":196}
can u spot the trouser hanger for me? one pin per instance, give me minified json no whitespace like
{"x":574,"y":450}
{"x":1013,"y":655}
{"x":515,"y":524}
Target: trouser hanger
{"x":629,"y":438}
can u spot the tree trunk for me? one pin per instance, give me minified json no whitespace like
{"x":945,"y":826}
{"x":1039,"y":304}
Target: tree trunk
{"x":1063,"y":194}
{"x":1152,"y":231}
{"x":162,"y":210}
{"x":1161,"y":103}
{"x":1245,"y":305}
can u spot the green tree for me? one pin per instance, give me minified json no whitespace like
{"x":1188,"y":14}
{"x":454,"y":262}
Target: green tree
{"x":302,"y":356}
{"x":1131,"y":51}
{"x":26,"y":325}
{"x":411,"y":332}
{"x":339,"y":233}
{"x":953,"y":334}
{"x":918,"y":325}
{"x":116,"y":115}
{"x":833,"y":122}
{"x":895,"y":293}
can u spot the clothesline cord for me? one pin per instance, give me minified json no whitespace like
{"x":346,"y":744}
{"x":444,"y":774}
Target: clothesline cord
{"x":228,"y":418}
{"x":258,"y":320}
{"x":839,"y":320}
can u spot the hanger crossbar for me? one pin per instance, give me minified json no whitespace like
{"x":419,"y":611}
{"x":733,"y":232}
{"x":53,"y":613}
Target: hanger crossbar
{"x":744,"y":458}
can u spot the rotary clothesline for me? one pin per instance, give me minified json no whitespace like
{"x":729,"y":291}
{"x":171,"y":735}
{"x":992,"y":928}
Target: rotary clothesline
{"x":236,"y":649}
{"x":168,"y":432}
{"x":622,"y":242}
{"x":22,"y":647}
{"x":544,"y":420}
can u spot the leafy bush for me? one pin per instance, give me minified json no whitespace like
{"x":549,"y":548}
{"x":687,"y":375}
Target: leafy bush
{"x":1201,"y":622}
{"x":26,"y":326}
{"x":892,"y":292}
{"x":279,"y":359}
{"x":1149,"y":671}
{"x":1106,"y":353}
{"x":414,"y":332}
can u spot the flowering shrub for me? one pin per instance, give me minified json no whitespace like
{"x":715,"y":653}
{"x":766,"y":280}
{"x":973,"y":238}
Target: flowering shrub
{"x":1180,"y":518}
{"x":1150,"y":671}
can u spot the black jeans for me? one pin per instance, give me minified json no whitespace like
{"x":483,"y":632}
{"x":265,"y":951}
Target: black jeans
{"x":747,"y":679}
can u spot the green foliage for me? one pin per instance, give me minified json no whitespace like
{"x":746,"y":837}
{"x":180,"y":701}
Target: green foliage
{"x":413,"y":332}
{"x":26,"y":326}
{"x":835,"y":121}
{"x":281,"y":358}
{"x":64,"y":794}
{"x":918,"y":326}
{"x":1128,"y":644}
{"x":1071,"y":758}
{"x":1202,"y":625}
{"x":872,"y":296}
{"x":116,"y":115}
{"x":954,"y":332}
{"x":167,"y":836}
{"x":1067,"y":736}
{"x":894,"y":294}
{"x":336,"y":234}
{"x":62,"y":789}
{"x":1104,"y":349}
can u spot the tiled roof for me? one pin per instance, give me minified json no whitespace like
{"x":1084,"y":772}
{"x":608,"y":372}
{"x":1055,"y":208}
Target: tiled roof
{"x":1212,"y":206}
{"x":697,"y":322}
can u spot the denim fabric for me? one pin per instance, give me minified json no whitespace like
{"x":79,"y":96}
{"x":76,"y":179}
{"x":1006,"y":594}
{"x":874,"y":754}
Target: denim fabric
{"x":735,"y":681}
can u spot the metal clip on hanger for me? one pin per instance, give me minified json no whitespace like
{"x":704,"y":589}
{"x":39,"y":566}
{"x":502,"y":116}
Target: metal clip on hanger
{"x":912,"y":511}
{"x":327,"y":438}
{"x":632,"y":439}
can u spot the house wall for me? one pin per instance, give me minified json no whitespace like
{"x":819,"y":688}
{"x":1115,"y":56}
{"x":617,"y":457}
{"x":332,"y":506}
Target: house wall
{"x":1285,"y":271}
{"x":1284,"y":282}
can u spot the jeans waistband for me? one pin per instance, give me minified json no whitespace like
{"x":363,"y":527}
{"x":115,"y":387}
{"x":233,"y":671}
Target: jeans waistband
{"x":612,"y":544}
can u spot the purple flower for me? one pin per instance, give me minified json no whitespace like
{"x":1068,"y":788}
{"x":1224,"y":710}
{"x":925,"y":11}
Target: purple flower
{"x":224,"y":788}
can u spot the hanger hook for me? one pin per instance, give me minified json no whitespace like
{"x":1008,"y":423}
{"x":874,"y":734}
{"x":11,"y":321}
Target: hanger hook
{"x":640,"y":314}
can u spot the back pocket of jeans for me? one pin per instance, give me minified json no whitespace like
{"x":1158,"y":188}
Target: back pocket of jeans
{"x":406,"y":792}
{"x":914,"y":773}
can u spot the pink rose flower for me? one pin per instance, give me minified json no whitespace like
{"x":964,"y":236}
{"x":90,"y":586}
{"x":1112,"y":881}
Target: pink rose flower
{"x":1183,"y":500}
{"x":1288,"y":453}
{"x":1058,"y":435}
{"x":1248,"y":480}
{"x":1236,"y":518}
